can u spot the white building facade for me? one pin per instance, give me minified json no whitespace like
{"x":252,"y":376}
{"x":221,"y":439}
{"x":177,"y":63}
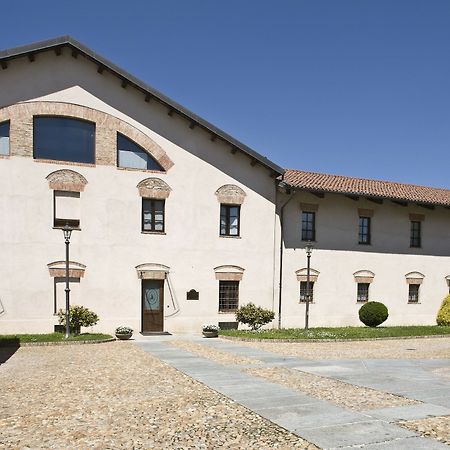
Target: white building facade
{"x":176,"y":223}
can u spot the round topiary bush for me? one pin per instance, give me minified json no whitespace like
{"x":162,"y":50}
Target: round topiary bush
{"x":373,"y":314}
{"x":443,"y":316}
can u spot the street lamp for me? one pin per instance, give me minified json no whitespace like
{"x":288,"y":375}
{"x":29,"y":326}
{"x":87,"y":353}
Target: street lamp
{"x":308,"y":248}
{"x":67,"y":231}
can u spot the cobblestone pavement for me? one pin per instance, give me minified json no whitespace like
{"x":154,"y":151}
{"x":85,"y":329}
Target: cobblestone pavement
{"x":115,"y":396}
{"x":424,"y":348}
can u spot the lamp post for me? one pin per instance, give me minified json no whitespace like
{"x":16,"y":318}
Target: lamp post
{"x":67,"y":233}
{"x":308,"y":248}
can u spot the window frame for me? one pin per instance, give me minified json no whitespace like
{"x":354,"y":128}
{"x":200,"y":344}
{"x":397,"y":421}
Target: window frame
{"x":150,"y":157}
{"x":227,"y":207}
{"x":308,"y":235}
{"x":303,"y":291}
{"x":59,"y":223}
{"x":415,"y":296}
{"x":229,"y":283}
{"x":364,"y":230}
{"x":359,"y":295}
{"x":8,"y":124}
{"x":153,"y":209}
{"x":73,"y":118}
{"x":415,"y":240}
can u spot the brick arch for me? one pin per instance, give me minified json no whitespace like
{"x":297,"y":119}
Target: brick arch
{"x":66,"y":180}
{"x":154,"y":188}
{"x":107,"y":126}
{"x":230,"y":193}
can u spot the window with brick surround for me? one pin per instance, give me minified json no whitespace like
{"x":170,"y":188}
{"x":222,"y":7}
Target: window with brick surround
{"x":66,"y":209}
{"x":228,"y":296}
{"x":153,"y":215}
{"x":4,"y":138}
{"x":413,"y":293}
{"x":308,"y":226}
{"x":132,"y":156}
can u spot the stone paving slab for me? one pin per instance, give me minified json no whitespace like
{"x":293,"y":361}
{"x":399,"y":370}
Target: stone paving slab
{"x":409,"y":443}
{"x":353,"y":434}
{"x":408,"y":412}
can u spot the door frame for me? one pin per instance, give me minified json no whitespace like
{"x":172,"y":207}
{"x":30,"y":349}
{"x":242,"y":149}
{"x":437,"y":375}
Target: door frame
{"x":161,"y":302}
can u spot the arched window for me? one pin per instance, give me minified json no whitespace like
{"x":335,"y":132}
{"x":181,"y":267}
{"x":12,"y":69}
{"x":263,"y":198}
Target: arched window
{"x":4,"y":138}
{"x":63,"y":139}
{"x":132,"y":156}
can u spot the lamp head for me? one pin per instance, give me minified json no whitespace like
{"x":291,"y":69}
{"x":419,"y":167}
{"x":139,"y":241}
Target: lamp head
{"x":67,"y":230}
{"x":309,"y":247}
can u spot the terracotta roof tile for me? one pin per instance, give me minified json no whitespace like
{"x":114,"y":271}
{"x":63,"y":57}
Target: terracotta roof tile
{"x":370,"y":188}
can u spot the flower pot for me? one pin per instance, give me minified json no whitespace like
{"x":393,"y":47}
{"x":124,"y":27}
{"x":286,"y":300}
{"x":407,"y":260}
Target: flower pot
{"x":210,"y":334}
{"x":123,"y":337}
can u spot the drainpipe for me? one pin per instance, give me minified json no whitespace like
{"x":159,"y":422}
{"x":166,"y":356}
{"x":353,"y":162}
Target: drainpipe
{"x":280,"y":290}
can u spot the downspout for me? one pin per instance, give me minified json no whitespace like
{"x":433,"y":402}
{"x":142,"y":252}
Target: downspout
{"x":280,"y":290}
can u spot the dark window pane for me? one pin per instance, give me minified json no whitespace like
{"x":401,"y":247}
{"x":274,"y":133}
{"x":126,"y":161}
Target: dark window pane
{"x":304,"y":291}
{"x":364,"y":230}
{"x":363,"y":292}
{"x":413,"y":294}
{"x":229,"y":220}
{"x":308,"y":226}
{"x":4,"y":138}
{"x":64,"y":139}
{"x":153,"y":215}
{"x":228,"y":296}
{"x":131,"y":155}
{"x":416,"y":235}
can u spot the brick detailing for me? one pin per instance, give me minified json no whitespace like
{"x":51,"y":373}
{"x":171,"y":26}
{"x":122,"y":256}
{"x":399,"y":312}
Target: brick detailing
{"x":417,"y":217}
{"x":58,"y":269}
{"x":231,"y":194}
{"x":365,"y":212}
{"x":107,"y":126}
{"x":303,"y":276}
{"x":364,"y":276}
{"x":229,"y":273}
{"x":309,"y":207}
{"x":154,"y":188}
{"x":66,"y":180}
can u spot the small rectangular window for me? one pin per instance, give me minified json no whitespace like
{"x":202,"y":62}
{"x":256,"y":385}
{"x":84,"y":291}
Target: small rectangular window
{"x":304,"y":291}
{"x":228,"y":296}
{"x":413,"y":293}
{"x":364,"y":231}
{"x":66,"y":209}
{"x":416,"y":234}
{"x":363,"y":292}
{"x":4,"y":138}
{"x":230,"y":220}
{"x":308,"y":226}
{"x":153,"y":212}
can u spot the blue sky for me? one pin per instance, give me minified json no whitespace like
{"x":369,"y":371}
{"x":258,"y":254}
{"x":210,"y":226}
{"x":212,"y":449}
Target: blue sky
{"x":351,"y":87}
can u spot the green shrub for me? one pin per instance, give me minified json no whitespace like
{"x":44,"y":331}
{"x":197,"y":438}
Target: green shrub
{"x":79,"y":316}
{"x":443,"y":315}
{"x":254,"y":316}
{"x":373,"y":314}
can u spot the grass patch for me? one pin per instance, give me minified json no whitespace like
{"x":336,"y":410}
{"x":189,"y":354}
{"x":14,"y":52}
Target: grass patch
{"x":339,"y":333}
{"x":7,"y":339}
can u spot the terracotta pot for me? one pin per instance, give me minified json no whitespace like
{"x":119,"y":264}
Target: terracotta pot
{"x":210,"y":334}
{"x":123,"y":337}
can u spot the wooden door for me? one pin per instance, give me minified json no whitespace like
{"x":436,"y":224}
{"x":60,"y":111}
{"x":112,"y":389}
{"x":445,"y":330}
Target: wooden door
{"x":152,"y":305}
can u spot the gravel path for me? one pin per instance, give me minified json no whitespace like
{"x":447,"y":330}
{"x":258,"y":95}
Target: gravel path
{"x":115,"y":396}
{"x":212,"y":353}
{"x":429,"y":348}
{"x":435,"y":427}
{"x":338,"y":392}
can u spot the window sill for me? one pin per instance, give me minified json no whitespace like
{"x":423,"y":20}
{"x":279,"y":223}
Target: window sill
{"x":304,"y":303}
{"x":362,"y":301}
{"x":231,"y":311}
{"x":413,"y":303}
{"x":71,"y":229}
{"x":225,"y":236}
{"x":367,"y":244}
{"x":154,"y":232}
{"x":133,"y":169}
{"x":309,"y":240}
{"x":5,"y":156}
{"x":64,"y":163}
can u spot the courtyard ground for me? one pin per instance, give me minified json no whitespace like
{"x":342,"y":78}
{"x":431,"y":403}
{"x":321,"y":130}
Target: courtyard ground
{"x":185,"y":392}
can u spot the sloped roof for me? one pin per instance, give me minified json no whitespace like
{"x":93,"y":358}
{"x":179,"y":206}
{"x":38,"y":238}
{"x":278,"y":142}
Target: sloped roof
{"x":320,"y":182}
{"x":77,"y":48}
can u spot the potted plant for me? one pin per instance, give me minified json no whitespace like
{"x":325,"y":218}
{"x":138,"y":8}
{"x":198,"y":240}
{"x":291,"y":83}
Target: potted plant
{"x":210,"y":331}
{"x":123,"y":333}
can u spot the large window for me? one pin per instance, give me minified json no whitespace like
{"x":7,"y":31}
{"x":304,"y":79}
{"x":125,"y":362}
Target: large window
{"x":308,"y":226}
{"x":4,"y":138}
{"x":132,"y":156}
{"x":153,"y":215}
{"x":228,"y":296}
{"x":64,"y":139}
{"x":66,"y":209}
{"x":364,"y":230}
{"x":229,"y":220}
{"x":416,"y":234}
{"x":304,"y":291}
{"x":363,"y":292}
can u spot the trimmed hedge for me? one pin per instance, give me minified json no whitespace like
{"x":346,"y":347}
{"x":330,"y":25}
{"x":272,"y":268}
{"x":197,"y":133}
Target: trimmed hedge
{"x":373,"y":314}
{"x":443,"y":315}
